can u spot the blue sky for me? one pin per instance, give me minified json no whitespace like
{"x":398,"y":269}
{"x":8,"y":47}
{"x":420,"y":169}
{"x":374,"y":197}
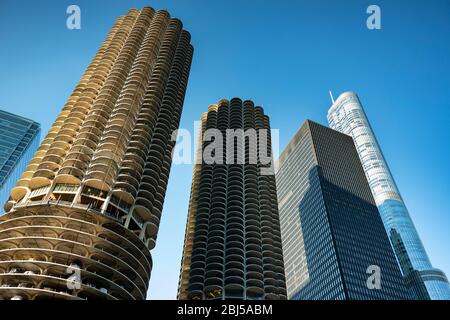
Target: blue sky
{"x":285,"y":55}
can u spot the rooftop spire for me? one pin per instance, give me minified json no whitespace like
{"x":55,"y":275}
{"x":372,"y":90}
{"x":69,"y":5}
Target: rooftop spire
{"x":331,"y":96}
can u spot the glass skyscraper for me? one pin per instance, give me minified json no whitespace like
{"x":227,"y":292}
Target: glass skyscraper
{"x":19,"y":139}
{"x":334,"y":241}
{"x":425,"y":282}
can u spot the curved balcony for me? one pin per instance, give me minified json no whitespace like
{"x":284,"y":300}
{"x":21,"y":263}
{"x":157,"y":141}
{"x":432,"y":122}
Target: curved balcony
{"x":18,"y":193}
{"x":39,"y":182}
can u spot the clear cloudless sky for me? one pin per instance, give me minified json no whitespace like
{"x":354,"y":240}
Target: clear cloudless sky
{"x":285,"y":55}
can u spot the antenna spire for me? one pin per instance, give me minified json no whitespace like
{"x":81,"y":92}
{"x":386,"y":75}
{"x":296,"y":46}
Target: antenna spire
{"x":331,"y":96}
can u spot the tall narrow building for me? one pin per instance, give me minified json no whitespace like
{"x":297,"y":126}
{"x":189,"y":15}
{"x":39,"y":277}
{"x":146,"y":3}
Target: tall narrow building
{"x":19,"y":140}
{"x":334,"y":243}
{"x":347,"y":115}
{"x":232,"y":246}
{"x":85,"y":214}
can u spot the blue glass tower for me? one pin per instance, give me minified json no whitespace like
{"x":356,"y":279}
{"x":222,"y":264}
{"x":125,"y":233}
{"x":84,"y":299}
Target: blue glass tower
{"x":333,"y":237}
{"x":425,"y":282}
{"x":19,"y":139}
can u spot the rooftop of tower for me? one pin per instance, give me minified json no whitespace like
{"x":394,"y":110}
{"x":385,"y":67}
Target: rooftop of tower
{"x":339,"y":99}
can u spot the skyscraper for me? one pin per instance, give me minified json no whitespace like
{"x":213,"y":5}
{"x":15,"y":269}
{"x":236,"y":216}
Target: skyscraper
{"x":232,"y":245}
{"x":347,"y":115}
{"x":334,"y":243}
{"x":85,"y":213}
{"x":19,"y":139}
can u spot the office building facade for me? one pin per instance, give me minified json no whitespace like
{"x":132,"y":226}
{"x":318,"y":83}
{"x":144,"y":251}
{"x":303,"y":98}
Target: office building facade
{"x":19,"y":140}
{"x":232,"y":246}
{"x":347,"y":116}
{"x":334,"y":243}
{"x":84,"y":215}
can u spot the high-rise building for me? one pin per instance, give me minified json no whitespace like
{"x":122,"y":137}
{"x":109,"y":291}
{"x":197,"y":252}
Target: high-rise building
{"x":232,"y":246}
{"x":347,"y":115}
{"x":85,"y":214}
{"x":19,"y":140}
{"x":334,"y":243}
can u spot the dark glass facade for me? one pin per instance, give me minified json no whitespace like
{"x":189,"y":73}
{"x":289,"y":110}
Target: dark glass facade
{"x":326,"y":204}
{"x":232,"y":247}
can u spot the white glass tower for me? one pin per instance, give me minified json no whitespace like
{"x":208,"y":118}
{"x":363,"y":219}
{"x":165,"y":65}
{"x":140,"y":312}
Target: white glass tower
{"x":425,"y":282}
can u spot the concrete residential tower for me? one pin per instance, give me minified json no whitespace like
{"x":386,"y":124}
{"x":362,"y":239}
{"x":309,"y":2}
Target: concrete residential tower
{"x":425,"y":282}
{"x":85,"y":214}
{"x":232,"y":246}
{"x":334,"y":243}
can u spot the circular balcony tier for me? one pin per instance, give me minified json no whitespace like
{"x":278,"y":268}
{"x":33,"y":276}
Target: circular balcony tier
{"x":58,"y":252}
